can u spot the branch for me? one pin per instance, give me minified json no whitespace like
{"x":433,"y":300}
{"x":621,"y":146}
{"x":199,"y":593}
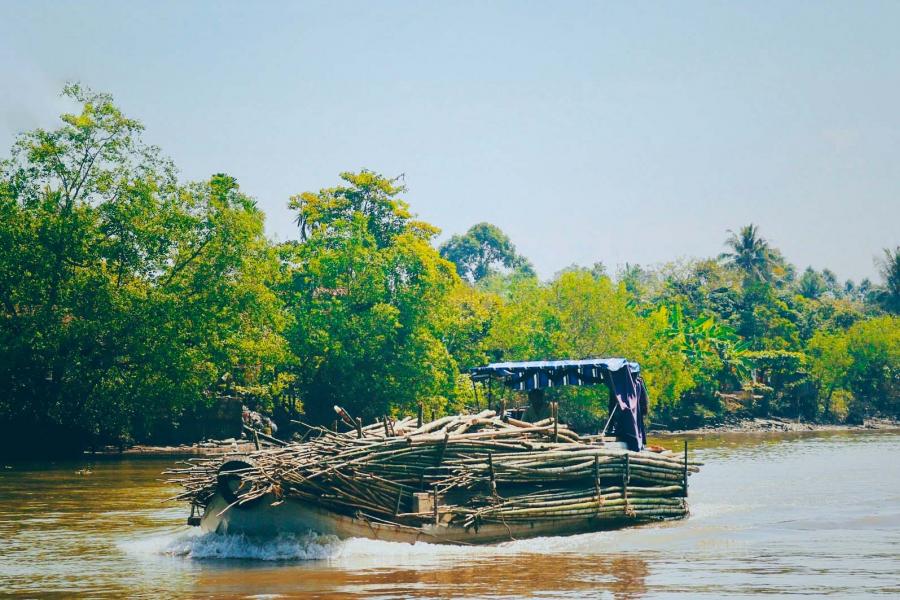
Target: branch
{"x":189,"y":260}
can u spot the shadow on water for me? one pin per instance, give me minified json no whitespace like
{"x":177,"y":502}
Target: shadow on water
{"x":509,"y":576}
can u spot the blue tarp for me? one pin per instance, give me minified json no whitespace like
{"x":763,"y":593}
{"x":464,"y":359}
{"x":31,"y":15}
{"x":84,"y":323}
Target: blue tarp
{"x":530,"y":375}
{"x":627,"y":393}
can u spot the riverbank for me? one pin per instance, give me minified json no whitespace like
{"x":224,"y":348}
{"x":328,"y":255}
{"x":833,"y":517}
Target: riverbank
{"x":757,"y":425}
{"x":204,"y":448}
{"x":775,"y":424}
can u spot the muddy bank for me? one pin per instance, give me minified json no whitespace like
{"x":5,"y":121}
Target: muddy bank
{"x":204,"y":448}
{"x":758,"y":425}
{"x":775,"y":424}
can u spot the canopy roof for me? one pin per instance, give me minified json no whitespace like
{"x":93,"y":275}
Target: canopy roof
{"x":538,"y":374}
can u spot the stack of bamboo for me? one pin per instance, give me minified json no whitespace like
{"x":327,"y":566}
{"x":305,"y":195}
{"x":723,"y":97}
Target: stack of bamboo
{"x":476,"y":468}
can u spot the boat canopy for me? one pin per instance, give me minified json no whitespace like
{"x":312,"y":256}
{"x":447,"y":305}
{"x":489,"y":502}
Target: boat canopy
{"x":531,"y":375}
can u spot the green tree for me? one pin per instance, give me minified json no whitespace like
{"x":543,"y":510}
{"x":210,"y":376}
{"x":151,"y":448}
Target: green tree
{"x":811,"y":284}
{"x":125,"y":296}
{"x":750,"y":253}
{"x":887,"y":296}
{"x":864,"y":363}
{"x":482,"y":250}
{"x":580,"y":316}
{"x":371,"y":301}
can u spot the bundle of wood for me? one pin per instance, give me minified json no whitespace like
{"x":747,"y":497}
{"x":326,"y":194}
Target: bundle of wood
{"x":463,"y":470}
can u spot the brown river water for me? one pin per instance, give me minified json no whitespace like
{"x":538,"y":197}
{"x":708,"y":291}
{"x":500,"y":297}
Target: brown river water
{"x":772,"y":515}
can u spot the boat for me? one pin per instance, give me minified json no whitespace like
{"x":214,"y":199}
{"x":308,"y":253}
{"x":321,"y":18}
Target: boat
{"x":496,"y":475}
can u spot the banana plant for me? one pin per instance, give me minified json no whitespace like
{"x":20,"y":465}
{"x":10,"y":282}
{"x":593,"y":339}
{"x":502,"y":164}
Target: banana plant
{"x":703,"y":337}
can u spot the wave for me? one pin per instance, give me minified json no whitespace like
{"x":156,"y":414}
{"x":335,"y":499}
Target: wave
{"x":314,"y":546}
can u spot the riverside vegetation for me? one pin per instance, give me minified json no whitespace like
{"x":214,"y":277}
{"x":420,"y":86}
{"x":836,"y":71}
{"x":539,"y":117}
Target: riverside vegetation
{"x":131,"y":300}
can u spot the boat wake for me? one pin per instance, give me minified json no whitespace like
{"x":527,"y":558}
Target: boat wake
{"x":314,"y":546}
{"x":203,"y":546}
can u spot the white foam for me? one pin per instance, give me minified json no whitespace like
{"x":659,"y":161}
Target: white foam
{"x":308,"y":546}
{"x":192,"y":544}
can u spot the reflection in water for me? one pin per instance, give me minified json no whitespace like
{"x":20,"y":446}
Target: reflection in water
{"x":815,"y":514}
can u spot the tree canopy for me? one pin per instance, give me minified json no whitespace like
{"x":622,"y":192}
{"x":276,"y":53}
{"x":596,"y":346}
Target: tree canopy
{"x":132,"y":303}
{"x":483,"y":250}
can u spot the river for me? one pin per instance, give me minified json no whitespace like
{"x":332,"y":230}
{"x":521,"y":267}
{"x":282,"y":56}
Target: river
{"x":772,"y":515}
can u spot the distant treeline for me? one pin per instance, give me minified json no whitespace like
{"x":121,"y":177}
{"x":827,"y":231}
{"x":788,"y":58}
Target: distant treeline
{"x":131,"y":302}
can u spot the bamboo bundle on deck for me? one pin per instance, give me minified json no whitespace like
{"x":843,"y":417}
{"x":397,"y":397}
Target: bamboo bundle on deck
{"x":481,"y":468}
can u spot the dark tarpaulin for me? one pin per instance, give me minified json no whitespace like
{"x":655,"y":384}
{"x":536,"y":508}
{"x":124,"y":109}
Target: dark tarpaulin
{"x":627,"y":404}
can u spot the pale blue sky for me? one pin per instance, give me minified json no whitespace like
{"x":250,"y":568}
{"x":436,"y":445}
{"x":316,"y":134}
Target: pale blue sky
{"x":621,"y":132}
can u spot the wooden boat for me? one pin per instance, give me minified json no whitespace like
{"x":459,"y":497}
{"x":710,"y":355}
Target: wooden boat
{"x":268,"y":519}
{"x":463,"y":479}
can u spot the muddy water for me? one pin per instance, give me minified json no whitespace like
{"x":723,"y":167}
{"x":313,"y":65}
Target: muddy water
{"x":815,"y":514}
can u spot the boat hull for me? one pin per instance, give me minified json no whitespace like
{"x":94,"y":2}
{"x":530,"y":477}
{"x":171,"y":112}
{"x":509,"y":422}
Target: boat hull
{"x":267,"y":518}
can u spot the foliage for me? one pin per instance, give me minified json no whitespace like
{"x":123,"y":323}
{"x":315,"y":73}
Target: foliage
{"x":482,"y":250}
{"x":862,"y":362}
{"x":126,"y":297}
{"x":578,"y":316}
{"x":749,"y":253}
{"x":132,"y":302}
{"x":371,"y":299}
{"x":888,"y":295}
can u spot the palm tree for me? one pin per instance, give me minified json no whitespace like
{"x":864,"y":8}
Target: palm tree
{"x":887,"y":295}
{"x":750,"y":253}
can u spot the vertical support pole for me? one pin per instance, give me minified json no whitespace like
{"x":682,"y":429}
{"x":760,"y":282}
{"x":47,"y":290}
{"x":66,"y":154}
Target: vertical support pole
{"x":256,"y":439}
{"x":397,"y":506}
{"x":421,"y":414}
{"x":442,"y":449}
{"x":358,"y":427}
{"x":387,"y":432}
{"x":493,"y":479}
{"x":625,"y":478}
{"x":685,"y":468}
{"x":597,"y":479}
{"x":490,"y":392}
{"x":434,"y":499}
{"x":554,"y":407}
{"x":334,"y":426}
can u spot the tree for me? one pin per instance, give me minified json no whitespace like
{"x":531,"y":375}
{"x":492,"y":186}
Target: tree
{"x":811,"y":284}
{"x":579,"y":316}
{"x":483,"y":249}
{"x":371,"y":301}
{"x":126,"y":297}
{"x":887,"y":296}
{"x":863,"y":361}
{"x":749,"y":253}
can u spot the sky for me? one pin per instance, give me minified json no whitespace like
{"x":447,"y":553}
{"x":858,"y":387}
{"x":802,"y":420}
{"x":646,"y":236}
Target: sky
{"x":621,"y":132}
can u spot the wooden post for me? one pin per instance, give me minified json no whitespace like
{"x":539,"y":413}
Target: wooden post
{"x":685,"y":468}
{"x":503,"y":409}
{"x":493,"y":479}
{"x":597,"y":479}
{"x":397,"y":506}
{"x":256,"y":439}
{"x":387,"y":432}
{"x":625,"y":477}
{"x":435,"y":501}
{"x":441,"y":449}
{"x":421,"y":414}
{"x":554,"y":408}
{"x":358,"y":427}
